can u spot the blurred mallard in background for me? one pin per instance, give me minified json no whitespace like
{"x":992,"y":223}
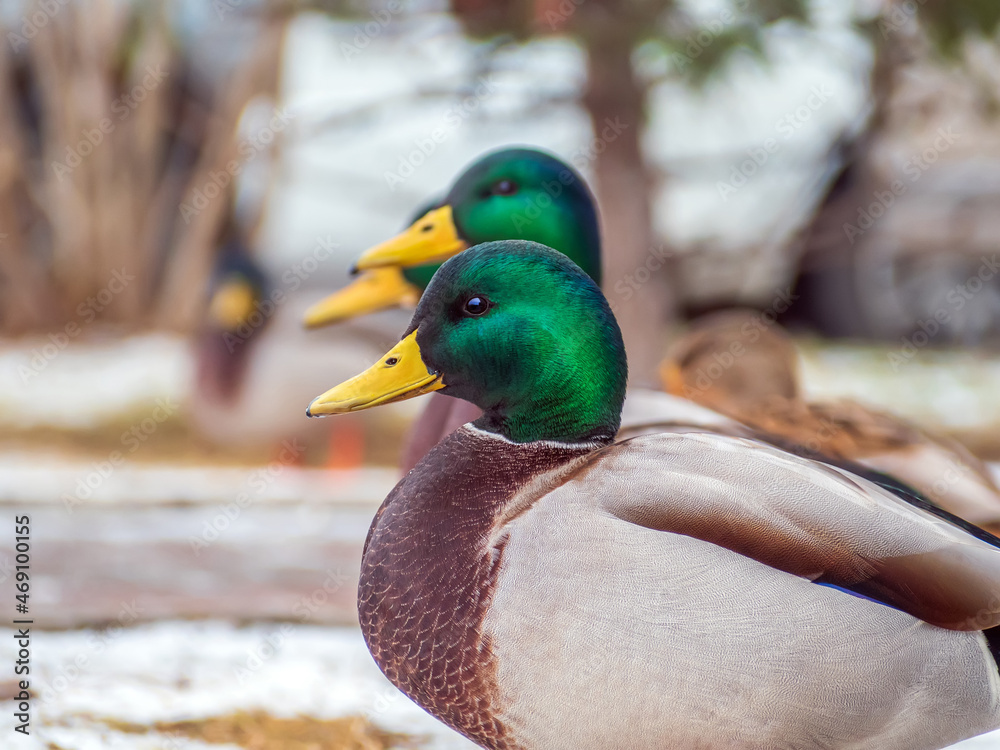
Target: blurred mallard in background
{"x":506,"y":194}
{"x":737,"y":364}
{"x":238,"y":285}
{"x":534,"y":584}
{"x":254,"y":365}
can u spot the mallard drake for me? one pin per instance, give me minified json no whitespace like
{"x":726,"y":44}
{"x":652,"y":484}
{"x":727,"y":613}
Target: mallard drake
{"x":512,"y":193}
{"x":535,"y":585}
{"x":738,"y":364}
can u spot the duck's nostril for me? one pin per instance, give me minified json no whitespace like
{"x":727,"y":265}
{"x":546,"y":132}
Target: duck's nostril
{"x":391,"y":361}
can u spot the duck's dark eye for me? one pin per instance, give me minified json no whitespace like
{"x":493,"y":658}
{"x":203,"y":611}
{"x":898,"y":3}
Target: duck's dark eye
{"x":476,"y":306}
{"x":505,"y":187}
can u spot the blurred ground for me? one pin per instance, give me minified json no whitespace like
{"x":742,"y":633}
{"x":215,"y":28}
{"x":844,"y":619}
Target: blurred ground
{"x":181,"y":685}
{"x":187,"y":529}
{"x":205,"y":586}
{"x":952,"y":391}
{"x":107,"y":688}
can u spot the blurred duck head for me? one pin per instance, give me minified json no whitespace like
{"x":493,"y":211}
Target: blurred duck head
{"x":233,"y":321}
{"x":733,"y":362}
{"x":513,"y":193}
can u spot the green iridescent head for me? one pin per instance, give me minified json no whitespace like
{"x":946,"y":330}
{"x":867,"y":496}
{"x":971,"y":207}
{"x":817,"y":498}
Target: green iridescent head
{"x":517,"y":329}
{"x":526,"y":194}
{"x":513,"y":193}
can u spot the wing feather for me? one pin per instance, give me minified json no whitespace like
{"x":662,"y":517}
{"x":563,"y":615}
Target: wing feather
{"x":800,"y":516}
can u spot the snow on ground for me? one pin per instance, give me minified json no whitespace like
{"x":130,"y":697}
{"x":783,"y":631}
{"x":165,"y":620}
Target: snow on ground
{"x":81,"y":384}
{"x":171,"y":671}
{"x":27,"y":477}
{"x":953,"y":390}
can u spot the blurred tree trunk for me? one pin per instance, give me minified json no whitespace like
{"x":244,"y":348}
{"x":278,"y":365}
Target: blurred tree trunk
{"x":827,"y":282}
{"x":29,"y":303}
{"x":634,"y":277}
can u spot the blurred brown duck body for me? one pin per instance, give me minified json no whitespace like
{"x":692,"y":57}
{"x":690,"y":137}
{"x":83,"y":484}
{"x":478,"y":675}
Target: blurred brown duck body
{"x":736,"y":364}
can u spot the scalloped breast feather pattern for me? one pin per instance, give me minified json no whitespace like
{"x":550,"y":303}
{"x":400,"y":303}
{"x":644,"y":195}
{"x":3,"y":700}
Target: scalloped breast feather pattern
{"x":429,"y":569}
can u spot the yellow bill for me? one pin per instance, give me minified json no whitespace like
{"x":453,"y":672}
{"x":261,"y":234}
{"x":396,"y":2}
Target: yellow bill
{"x":231,"y":304}
{"x":399,"y":375}
{"x":374,"y":290}
{"x":433,"y":238}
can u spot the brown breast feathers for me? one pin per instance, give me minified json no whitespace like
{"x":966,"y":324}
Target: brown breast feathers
{"x":429,"y":569}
